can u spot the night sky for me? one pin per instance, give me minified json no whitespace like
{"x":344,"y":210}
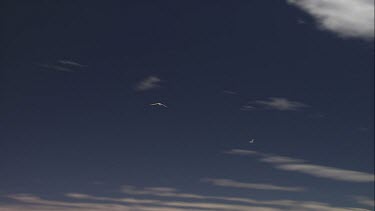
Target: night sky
{"x":80,"y":130}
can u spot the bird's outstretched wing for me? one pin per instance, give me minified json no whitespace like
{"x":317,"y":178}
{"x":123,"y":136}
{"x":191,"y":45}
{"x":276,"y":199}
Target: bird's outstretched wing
{"x":158,"y":104}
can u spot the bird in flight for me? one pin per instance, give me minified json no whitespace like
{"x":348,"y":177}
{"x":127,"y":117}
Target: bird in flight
{"x":252,"y":141}
{"x":158,"y":104}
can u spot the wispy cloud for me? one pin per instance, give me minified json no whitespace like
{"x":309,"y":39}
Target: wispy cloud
{"x":159,"y":191}
{"x":347,"y":18}
{"x":242,"y":152}
{"x":282,"y":104}
{"x":71,"y":63}
{"x":317,"y":116}
{"x":365,"y":201}
{"x":328,"y":172}
{"x":148,"y":83}
{"x":229,"y":92}
{"x":62,"y":66}
{"x":258,"y":186}
{"x":153,"y":201}
{"x":247,"y":108}
{"x":56,"y":68}
{"x":297,"y":165}
{"x":280,"y":159}
{"x":274,"y":103}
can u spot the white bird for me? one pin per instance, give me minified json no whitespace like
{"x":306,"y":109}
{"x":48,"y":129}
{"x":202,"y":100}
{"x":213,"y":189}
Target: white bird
{"x":158,"y":104}
{"x":252,"y":141}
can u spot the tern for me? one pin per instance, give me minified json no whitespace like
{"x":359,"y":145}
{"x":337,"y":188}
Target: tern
{"x":158,"y":104}
{"x":252,"y":141}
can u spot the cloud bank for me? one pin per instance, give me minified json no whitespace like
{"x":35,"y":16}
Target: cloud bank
{"x":347,"y":18}
{"x":152,"y":199}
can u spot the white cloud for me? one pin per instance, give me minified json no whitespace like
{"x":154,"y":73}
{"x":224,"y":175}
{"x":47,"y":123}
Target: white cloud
{"x":329,"y":172}
{"x":297,"y":165}
{"x":158,"y":191}
{"x":56,"y":68}
{"x":282,"y":104}
{"x":148,"y":83}
{"x":241,"y":152}
{"x":257,"y":186}
{"x":71,"y":63}
{"x":247,"y":108}
{"x":347,"y":18}
{"x":280,"y":159}
{"x":84,"y":202}
{"x":62,"y":66}
{"x":229,"y":92}
{"x":365,"y":201}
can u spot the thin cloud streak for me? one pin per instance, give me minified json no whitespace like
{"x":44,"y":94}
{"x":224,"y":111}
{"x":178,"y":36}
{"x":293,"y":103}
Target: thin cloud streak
{"x":365,"y":201}
{"x":297,"y":165}
{"x":241,"y":152}
{"x":63,"y":66}
{"x":280,"y":159}
{"x":229,"y":92}
{"x":258,"y":186}
{"x":71,"y":63}
{"x":274,"y":103}
{"x":281,"y":104}
{"x":328,"y":172}
{"x":247,"y":108}
{"x":56,"y":68}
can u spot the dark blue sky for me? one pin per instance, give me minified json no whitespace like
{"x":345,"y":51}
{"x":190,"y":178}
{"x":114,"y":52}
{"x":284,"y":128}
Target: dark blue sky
{"x":78,"y":78}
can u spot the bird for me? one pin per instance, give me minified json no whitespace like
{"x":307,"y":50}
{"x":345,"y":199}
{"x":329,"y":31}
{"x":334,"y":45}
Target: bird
{"x":252,"y":141}
{"x":158,"y":104}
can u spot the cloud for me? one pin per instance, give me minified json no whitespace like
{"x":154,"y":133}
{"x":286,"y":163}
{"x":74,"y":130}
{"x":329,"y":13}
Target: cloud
{"x":297,"y":165}
{"x":241,"y":152}
{"x":148,"y":202}
{"x":229,"y":92}
{"x":257,"y":186}
{"x":280,"y":159}
{"x":268,"y":158}
{"x":71,"y":63}
{"x":329,"y":172}
{"x":281,"y":104}
{"x":274,"y":103}
{"x":365,"y":201}
{"x":247,"y":108}
{"x":317,"y":116}
{"x":56,"y":68}
{"x":347,"y":18}
{"x":148,"y":83}
{"x":158,"y":191}
{"x":63,"y":66}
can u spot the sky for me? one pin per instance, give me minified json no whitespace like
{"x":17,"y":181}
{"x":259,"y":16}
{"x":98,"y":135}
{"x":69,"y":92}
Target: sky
{"x":139,"y":105}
